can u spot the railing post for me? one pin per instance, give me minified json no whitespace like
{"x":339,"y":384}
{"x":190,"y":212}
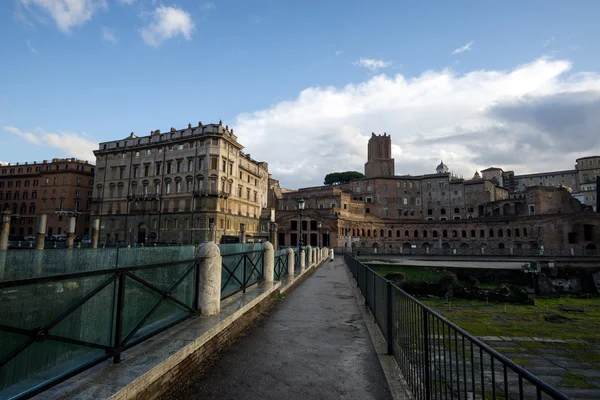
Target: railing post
{"x":210,"y":261}
{"x":309,"y":259}
{"x":269,"y":262}
{"x":95,"y":233}
{"x":244,"y":258}
{"x":4,"y":230}
{"x":389,"y":318}
{"x":302,"y":260}
{"x":119,"y":320}
{"x":426,"y":353}
{"x":290,"y":256}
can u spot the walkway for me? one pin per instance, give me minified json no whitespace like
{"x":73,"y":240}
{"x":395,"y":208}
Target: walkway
{"x":313,"y":344}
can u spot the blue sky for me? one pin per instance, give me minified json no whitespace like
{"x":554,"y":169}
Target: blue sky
{"x":288,"y":77}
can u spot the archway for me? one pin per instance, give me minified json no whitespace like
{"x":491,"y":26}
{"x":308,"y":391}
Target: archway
{"x":507,"y":209}
{"x":501,"y":245}
{"x":533,"y":245}
{"x":590,"y":246}
{"x":406,"y":246}
{"x":426,"y":245}
{"x":464,"y":245}
{"x":445,"y":245}
{"x":142,"y":233}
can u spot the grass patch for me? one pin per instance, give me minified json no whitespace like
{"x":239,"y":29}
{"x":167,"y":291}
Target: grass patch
{"x":425,"y":274}
{"x":521,"y":361}
{"x":383,"y":260}
{"x":575,"y":381}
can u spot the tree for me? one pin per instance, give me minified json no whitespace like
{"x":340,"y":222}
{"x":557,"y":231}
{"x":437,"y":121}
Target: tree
{"x":336,"y":178}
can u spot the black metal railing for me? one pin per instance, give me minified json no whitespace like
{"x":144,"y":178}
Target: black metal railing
{"x":487,"y":251}
{"x":281,"y":264}
{"x":241,"y":270}
{"x":56,"y":326}
{"x":438,"y":359}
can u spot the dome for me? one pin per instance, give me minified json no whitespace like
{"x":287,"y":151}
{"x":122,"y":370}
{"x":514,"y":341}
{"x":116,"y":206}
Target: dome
{"x":476,"y":176}
{"x":442,"y":167}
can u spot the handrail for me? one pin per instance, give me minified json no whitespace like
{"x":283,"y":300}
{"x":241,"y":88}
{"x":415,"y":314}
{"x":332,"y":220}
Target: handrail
{"x":414,"y":355}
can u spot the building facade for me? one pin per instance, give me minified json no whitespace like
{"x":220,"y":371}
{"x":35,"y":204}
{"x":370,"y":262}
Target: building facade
{"x":588,"y":169}
{"x":57,"y":188}
{"x":436,"y":210}
{"x":179,"y":186}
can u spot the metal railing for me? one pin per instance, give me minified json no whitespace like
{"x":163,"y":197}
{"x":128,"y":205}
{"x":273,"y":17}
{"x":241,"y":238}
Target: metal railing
{"x":243,"y":266}
{"x":438,"y":359}
{"x":281,"y":264}
{"x":487,"y":251}
{"x":55,"y":326}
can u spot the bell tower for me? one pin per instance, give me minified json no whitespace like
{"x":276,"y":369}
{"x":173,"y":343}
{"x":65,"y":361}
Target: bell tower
{"x":379,"y":156}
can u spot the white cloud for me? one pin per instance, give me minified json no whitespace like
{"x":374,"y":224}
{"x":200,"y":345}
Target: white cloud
{"x":207,"y":6}
{"x":548,"y":42}
{"x":339,"y":52}
{"x":167,"y":22}
{"x":31,"y":48}
{"x":66,"y":13}
{"x":466,"y":47}
{"x":128,"y":2}
{"x":536,"y":117}
{"x":71,"y":144}
{"x":372,"y":64}
{"x":108,"y":35}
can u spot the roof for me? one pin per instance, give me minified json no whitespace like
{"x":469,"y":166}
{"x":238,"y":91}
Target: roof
{"x":442,"y":165}
{"x":491,"y":169}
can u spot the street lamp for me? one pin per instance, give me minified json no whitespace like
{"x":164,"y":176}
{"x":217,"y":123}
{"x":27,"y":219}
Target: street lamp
{"x":301,"y":208}
{"x":326,"y":244}
{"x":319,"y":225}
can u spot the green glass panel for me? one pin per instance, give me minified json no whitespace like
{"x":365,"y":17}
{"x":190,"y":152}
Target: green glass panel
{"x":135,"y":256}
{"x":139,"y":300}
{"x":185,"y":291}
{"x":40,"y":363}
{"x":167,"y":312}
{"x":164,"y":277}
{"x":10,"y":341}
{"x":93,"y":321}
{"x":32,"y":306}
{"x":34,"y":263}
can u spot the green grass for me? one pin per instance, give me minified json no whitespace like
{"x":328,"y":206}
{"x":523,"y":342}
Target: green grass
{"x":383,"y":260}
{"x":575,"y":381}
{"x":426,"y":274}
{"x":515,"y":320}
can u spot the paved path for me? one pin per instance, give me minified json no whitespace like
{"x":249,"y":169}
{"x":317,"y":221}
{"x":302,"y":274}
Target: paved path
{"x":313,"y":345}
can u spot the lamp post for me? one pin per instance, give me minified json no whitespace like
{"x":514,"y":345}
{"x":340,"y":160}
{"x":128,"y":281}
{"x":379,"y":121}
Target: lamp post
{"x":319,"y":225}
{"x":326,"y":244}
{"x":301,"y":208}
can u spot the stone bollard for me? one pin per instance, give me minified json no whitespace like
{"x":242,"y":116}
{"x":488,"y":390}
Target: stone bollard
{"x":269,"y":270}
{"x":4,"y":230}
{"x":483,"y":250}
{"x":512,"y":251}
{"x":290,"y":260}
{"x":302,"y":260}
{"x":454,"y":251}
{"x":572,"y":251}
{"x":71,"y":231}
{"x":316,"y":255}
{"x":40,"y":232}
{"x":331,"y":254}
{"x":308,"y":254}
{"x":95,"y":233}
{"x":209,"y":257}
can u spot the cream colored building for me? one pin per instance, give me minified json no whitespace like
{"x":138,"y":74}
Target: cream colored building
{"x":588,"y":168}
{"x":173,"y":187}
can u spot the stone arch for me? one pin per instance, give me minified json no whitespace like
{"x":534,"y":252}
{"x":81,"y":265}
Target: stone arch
{"x":501,"y":245}
{"x":520,"y":208}
{"x":426,"y":245}
{"x":590,"y":246}
{"x":533,"y":245}
{"x":507,"y":209}
{"x":406,"y":246}
{"x":445,"y":245}
{"x":464,"y":245}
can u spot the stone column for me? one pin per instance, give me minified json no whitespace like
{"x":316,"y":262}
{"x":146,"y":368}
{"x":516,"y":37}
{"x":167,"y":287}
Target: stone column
{"x":209,"y":257}
{"x":290,"y":260}
{"x":331,"y":254}
{"x":512,"y":251}
{"x":269,"y":271}
{"x":273,"y":234}
{"x":242,"y":233}
{"x":302,"y":260}
{"x":4,"y":229}
{"x":71,"y":231}
{"x":483,"y":250}
{"x":348,"y":241}
{"x":95,"y":232}
{"x":309,"y":256}
{"x":40,"y":233}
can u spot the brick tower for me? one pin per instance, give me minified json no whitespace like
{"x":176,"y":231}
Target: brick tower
{"x":379,"y":157}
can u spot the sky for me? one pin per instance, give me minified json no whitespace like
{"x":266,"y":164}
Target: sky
{"x":509,"y":84}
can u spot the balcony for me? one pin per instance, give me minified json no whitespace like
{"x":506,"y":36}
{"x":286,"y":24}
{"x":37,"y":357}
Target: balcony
{"x":143,"y":197}
{"x":210,"y":193}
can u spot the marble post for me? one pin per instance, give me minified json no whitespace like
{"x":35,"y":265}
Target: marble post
{"x":209,"y":284}
{"x":95,"y":233}
{"x":71,"y":231}
{"x":269,"y":270}
{"x":40,"y":233}
{"x":290,"y":256}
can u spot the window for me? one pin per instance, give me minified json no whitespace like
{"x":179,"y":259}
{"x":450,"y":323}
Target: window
{"x":135,"y":172}
{"x":34,"y":195}
{"x":157,"y":169}
{"x":178,"y":187}
{"x":385,"y":187}
{"x":443,"y":211}
{"x":190,"y":165}
{"x":405,"y":200}
{"x":357,"y":189}
{"x":169,"y":165}
{"x":456,"y":211}
{"x":213,"y":163}
{"x":367,"y":210}
{"x":146,"y":169}
{"x":168,"y":188}
{"x":224,"y":166}
{"x":418,"y":200}
{"x":137,"y":153}
{"x":368,"y":188}
{"x":181,"y":147}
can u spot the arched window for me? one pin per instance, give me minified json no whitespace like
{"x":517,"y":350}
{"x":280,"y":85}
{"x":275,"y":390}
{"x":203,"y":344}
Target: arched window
{"x":374,"y":232}
{"x":435,"y":233}
{"x":424,"y":234}
{"x":406,"y":234}
{"x":481,"y":233}
{"x":508,"y":233}
{"x":454,"y":233}
{"x":491,"y":233}
{"x":381,"y":233}
{"x":368,"y":232}
{"x":473,"y":233}
{"x":500,"y":233}
{"x":517,"y":232}
{"x":416,"y":233}
{"x":398,"y":233}
{"x":524,"y":232}
{"x":390,"y":233}
{"x":464,"y":233}
{"x":444,"y":233}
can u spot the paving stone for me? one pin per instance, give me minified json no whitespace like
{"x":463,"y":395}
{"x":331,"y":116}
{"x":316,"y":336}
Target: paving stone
{"x":553,"y":370}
